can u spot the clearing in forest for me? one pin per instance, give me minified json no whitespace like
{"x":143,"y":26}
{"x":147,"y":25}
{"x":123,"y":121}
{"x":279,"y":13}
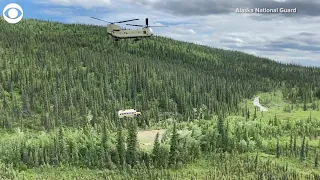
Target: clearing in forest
{"x":146,"y":138}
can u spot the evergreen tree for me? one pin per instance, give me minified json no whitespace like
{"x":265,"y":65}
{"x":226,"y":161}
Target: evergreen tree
{"x":278,"y":148}
{"x":223,"y":133}
{"x":305,"y":108}
{"x":156,"y":150}
{"x":132,"y":144}
{"x":174,"y":146}
{"x":275,"y":120}
{"x":291,"y":144}
{"x":61,"y":146}
{"x":256,"y":161}
{"x":105,"y":146}
{"x":121,"y":148}
{"x":295,"y":145}
{"x":316,"y":160}
{"x":302,"y":151}
{"x":255,"y":113}
{"x":104,"y":137}
{"x":307,"y":148}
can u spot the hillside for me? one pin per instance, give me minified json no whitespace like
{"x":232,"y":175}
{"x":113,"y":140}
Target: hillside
{"x":62,"y":84}
{"x":56,"y":73}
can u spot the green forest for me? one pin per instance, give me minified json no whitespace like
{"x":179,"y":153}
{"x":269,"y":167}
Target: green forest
{"x":61,"y":86}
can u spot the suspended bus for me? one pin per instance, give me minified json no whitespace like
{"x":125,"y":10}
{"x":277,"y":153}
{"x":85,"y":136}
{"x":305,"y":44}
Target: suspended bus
{"x":128,"y":113}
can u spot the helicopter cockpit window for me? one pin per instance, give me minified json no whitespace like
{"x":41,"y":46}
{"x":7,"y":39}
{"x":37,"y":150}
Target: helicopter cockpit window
{"x":144,"y":32}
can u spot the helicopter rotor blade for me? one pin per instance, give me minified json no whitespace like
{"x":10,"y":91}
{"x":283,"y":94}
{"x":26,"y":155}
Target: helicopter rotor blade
{"x":157,"y":26}
{"x":135,"y":25}
{"x":100,"y":20}
{"x":126,"y":21}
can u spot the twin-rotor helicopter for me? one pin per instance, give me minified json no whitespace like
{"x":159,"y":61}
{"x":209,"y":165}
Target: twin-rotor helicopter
{"x":118,"y":33}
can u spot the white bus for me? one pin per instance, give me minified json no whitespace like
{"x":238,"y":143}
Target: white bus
{"x":128,"y":113}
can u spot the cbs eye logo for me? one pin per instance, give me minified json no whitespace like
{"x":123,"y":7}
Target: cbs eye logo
{"x":11,"y":12}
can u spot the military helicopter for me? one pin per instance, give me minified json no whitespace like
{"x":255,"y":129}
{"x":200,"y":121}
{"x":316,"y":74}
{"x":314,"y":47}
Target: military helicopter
{"x":119,"y":33}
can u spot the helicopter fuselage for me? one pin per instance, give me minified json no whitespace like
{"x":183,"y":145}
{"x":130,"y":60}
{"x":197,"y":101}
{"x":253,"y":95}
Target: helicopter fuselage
{"x":116,"y":32}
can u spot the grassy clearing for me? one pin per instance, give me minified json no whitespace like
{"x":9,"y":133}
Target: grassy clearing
{"x":146,"y":138}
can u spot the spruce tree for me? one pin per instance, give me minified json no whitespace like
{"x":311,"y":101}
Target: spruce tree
{"x":156,"y":150}
{"x":61,"y":147}
{"x":316,"y":160}
{"x":105,"y":146}
{"x":305,"y":108}
{"x":307,"y":148}
{"x":104,"y":137}
{"x":255,"y":113}
{"x":132,"y":144}
{"x":302,"y":151}
{"x":226,"y":138}
{"x":291,"y":144}
{"x":173,"y":146}
{"x":223,"y":133}
{"x":278,"y":148}
{"x":275,"y":120}
{"x":121,"y":146}
{"x":295,"y":145}
{"x":256,"y":161}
